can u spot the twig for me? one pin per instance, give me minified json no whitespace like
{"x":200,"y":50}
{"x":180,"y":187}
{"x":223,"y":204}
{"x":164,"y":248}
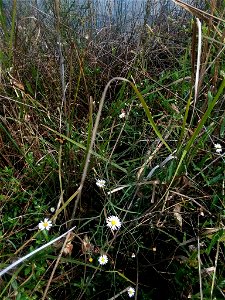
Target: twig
{"x":55,"y":267}
{"x":214,"y":273}
{"x":199,"y":267}
{"x":94,"y":133}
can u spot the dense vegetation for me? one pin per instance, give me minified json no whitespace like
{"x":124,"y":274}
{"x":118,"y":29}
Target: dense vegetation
{"x":112,"y":120}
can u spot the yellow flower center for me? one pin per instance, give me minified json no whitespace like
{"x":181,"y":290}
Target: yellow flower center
{"x":45,"y":224}
{"x":113,"y":222}
{"x":90,"y":259}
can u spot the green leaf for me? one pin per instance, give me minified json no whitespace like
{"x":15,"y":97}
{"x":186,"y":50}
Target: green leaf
{"x":216,"y":237}
{"x":222,"y":128}
{"x":85,"y":148}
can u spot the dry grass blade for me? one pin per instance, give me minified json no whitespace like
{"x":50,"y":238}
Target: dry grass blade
{"x":215,"y":268}
{"x":177,"y":214}
{"x":198,"y":12}
{"x":67,"y":239}
{"x":200,"y":268}
{"x":199,"y":25}
{"x":22,"y":259}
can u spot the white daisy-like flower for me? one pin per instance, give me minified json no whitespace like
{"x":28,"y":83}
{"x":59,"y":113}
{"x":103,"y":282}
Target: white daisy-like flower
{"x":100,"y":183}
{"x":103,"y":259}
{"x":218,"y":148}
{"x":46,"y":224}
{"x":122,"y":115}
{"x":52,"y":209}
{"x":113,"y":222}
{"x":131,"y":292}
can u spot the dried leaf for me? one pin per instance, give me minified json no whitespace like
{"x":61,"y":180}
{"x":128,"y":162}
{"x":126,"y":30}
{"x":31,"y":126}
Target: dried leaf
{"x":68,"y":249}
{"x":58,"y":244}
{"x":208,"y":271}
{"x":87,"y":247}
{"x":177,"y":215}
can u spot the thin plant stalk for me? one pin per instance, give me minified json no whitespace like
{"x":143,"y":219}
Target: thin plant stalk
{"x":199,"y":25}
{"x":12,"y":32}
{"x":94,"y":132}
{"x":22,"y":259}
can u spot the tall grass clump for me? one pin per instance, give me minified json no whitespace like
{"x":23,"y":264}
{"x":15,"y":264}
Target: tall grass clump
{"x":112,"y":149}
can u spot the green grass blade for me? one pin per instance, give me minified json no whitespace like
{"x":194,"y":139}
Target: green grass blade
{"x":85,"y":149}
{"x":198,"y":129}
{"x":149,"y":115}
{"x":205,"y":116}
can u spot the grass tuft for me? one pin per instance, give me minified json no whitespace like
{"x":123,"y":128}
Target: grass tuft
{"x":112,"y":139}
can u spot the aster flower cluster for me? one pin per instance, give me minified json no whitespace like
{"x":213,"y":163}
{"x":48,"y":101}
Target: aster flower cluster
{"x":113,"y":222}
{"x":218,"y":148}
